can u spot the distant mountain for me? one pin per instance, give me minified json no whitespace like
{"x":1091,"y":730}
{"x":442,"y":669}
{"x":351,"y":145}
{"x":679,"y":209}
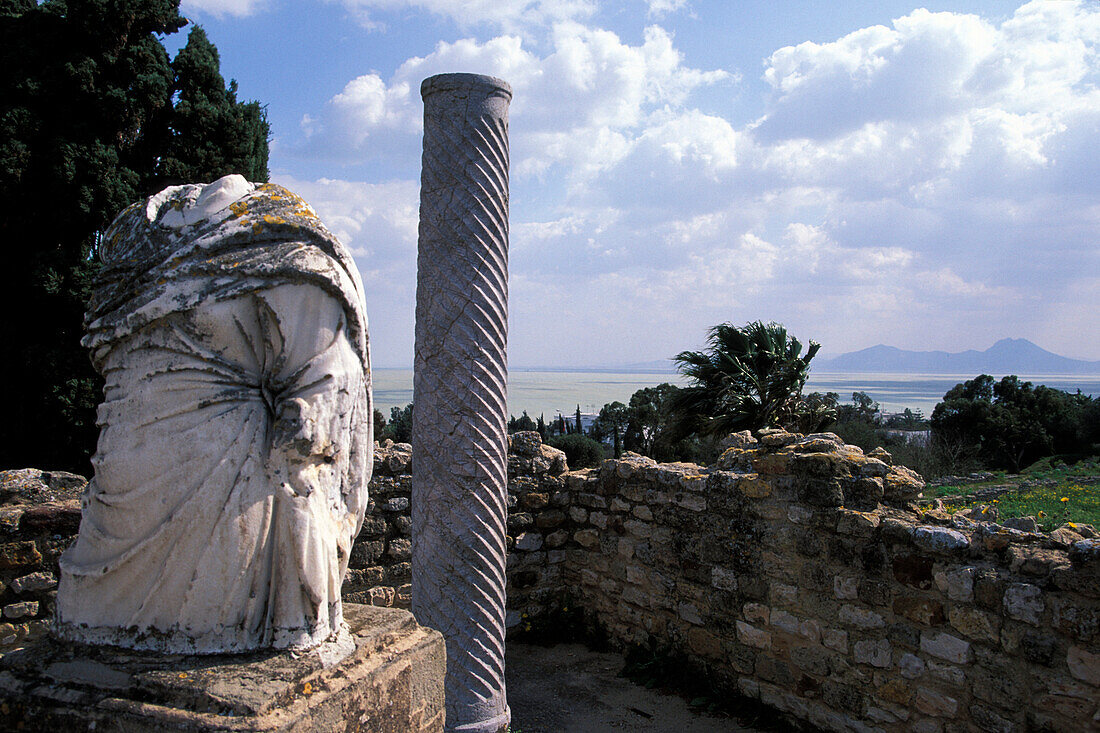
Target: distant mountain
{"x":1007,"y":356}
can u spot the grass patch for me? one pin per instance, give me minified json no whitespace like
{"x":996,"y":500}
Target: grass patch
{"x":1054,"y":491}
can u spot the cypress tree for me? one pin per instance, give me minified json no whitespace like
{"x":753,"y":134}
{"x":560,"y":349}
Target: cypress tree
{"x":212,"y":134}
{"x":86,"y":125}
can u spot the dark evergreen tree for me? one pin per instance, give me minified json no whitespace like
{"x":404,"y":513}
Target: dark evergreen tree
{"x":523,"y":423}
{"x":86,"y":116}
{"x":1010,"y":424}
{"x":612,"y":424}
{"x":211,"y":133}
{"x":399,"y":428}
{"x":580,"y":450}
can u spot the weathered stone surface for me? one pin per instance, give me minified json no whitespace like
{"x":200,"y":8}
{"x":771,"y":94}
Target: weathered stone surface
{"x":874,"y":652}
{"x":940,"y":539}
{"x":34,"y":582}
{"x":31,"y":486}
{"x":911,"y":666}
{"x":752,"y":636}
{"x":15,"y":555}
{"x":1024,"y":602}
{"x":945,"y":646}
{"x":835,"y":639}
{"x":390,"y":679}
{"x":229,"y":326}
{"x":786,"y":569}
{"x":974,"y":623}
{"x":460,"y":382}
{"x":23,"y":609}
{"x":740,"y":441}
{"x":902,"y":484}
{"x":860,"y":617}
{"x":753,"y":486}
{"x":935,"y":703}
{"x":587,"y":538}
{"x":1084,"y":665}
{"x":958,"y":584}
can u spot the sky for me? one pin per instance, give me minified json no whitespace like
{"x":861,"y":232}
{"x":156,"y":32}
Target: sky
{"x":922,"y":176}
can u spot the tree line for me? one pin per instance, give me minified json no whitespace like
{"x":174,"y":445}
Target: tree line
{"x":751,"y":378}
{"x":94,"y":115}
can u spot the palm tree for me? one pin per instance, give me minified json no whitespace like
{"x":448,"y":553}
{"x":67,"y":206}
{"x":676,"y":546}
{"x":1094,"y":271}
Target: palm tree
{"x":747,"y":378}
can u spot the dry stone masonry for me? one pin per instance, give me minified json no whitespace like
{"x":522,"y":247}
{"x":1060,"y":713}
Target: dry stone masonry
{"x":796,"y":571}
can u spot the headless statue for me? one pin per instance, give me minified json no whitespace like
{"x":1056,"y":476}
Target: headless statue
{"x":235,"y":441}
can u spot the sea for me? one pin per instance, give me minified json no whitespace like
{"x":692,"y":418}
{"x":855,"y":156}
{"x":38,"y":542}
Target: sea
{"x":550,"y":392}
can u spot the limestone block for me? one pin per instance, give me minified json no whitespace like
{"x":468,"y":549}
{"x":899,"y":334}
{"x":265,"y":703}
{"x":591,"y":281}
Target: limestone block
{"x":911,"y":666}
{"x":974,"y":623}
{"x":860,"y":617}
{"x":741,"y":440}
{"x":18,"y":555}
{"x":940,"y":539}
{"x":958,"y":584}
{"x":945,"y":646}
{"x":586,"y":538}
{"x":389,"y":679}
{"x":752,"y":636}
{"x":846,"y":587}
{"x":529,"y":541}
{"x":723,"y":579}
{"x":24,"y":609}
{"x":34,"y":582}
{"x":1084,"y":665}
{"x":835,"y":639}
{"x":935,"y":703}
{"x":874,"y":652}
{"x":902,"y":484}
{"x":1024,"y":602}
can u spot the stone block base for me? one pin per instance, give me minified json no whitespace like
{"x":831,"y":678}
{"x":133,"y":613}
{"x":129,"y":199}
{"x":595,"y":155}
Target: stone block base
{"x":392,"y":682}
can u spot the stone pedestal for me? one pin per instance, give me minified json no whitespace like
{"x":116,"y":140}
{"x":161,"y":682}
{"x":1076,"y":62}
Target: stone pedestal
{"x":392,"y":681}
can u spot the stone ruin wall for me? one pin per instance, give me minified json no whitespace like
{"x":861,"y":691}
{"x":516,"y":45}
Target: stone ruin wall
{"x":794,"y":571}
{"x":782,"y":574}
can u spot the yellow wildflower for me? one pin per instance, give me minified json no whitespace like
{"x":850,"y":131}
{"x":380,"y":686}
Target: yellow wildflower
{"x":1065,"y":498}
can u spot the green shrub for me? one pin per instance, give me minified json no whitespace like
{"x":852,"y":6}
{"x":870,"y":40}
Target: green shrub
{"x":580,"y":450}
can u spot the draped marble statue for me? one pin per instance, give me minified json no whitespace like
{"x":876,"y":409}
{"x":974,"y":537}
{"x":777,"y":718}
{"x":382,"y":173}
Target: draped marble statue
{"x":235,"y":440}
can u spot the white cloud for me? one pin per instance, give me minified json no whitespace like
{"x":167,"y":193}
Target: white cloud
{"x":661,"y":8}
{"x":508,"y":15}
{"x":222,"y":8}
{"x":909,"y":184}
{"x":377,"y":221}
{"x":581,"y":107}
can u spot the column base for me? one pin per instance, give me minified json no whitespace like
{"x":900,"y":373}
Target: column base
{"x":498,"y":724}
{"x":392,"y":682}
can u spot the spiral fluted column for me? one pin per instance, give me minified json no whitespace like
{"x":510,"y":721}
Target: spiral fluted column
{"x":460,"y":459}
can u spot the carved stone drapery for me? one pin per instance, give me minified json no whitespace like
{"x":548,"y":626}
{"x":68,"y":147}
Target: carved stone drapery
{"x":235,"y":444}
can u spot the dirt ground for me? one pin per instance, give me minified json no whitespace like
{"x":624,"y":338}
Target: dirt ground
{"x":567,"y":688}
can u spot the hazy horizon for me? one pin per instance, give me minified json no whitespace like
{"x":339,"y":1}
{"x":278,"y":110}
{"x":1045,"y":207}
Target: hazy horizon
{"x":640,"y":365}
{"x":547,"y":392}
